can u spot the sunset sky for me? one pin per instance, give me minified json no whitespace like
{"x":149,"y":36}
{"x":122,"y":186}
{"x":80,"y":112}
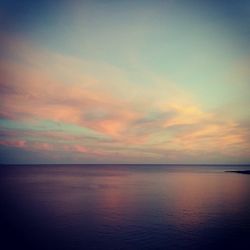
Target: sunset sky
{"x":125,"y":81}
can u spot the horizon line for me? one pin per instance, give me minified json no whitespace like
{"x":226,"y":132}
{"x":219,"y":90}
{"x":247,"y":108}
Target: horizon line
{"x":162,"y":164}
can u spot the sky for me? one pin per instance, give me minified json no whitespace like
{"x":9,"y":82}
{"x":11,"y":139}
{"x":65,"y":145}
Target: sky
{"x":125,"y":81}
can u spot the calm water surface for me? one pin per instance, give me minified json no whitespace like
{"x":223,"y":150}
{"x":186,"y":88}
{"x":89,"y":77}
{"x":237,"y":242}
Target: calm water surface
{"x":124,"y":207}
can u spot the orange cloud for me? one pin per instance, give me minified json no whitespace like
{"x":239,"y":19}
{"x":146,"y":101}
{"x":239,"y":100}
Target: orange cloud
{"x":139,"y":121}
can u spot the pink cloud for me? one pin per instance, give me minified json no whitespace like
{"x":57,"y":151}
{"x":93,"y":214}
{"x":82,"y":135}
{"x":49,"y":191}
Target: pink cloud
{"x":41,"y":85}
{"x":13,"y":143}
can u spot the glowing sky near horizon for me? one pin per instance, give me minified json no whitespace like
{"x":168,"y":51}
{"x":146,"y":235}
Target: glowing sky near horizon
{"x":125,"y":81}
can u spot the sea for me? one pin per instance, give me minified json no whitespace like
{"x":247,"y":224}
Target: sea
{"x":118,"y":207}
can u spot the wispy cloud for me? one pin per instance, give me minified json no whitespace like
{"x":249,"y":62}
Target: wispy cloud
{"x":99,"y":111}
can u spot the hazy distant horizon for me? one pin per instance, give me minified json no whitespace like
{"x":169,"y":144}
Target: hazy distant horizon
{"x":128,"y":164}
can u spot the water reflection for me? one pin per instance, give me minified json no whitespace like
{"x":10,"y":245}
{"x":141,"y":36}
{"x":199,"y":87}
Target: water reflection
{"x":135,"y":207}
{"x":197,"y":198}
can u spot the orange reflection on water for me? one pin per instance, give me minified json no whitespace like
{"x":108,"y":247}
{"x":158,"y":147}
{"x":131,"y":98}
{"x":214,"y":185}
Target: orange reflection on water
{"x":198,"y":197}
{"x":115,"y":199}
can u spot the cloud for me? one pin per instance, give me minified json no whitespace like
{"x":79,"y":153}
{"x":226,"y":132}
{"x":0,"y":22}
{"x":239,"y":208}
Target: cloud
{"x":13,"y":143}
{"x":100,"y":112}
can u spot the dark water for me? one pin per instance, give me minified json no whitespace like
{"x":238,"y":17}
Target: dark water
{"x":124,"y":207}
